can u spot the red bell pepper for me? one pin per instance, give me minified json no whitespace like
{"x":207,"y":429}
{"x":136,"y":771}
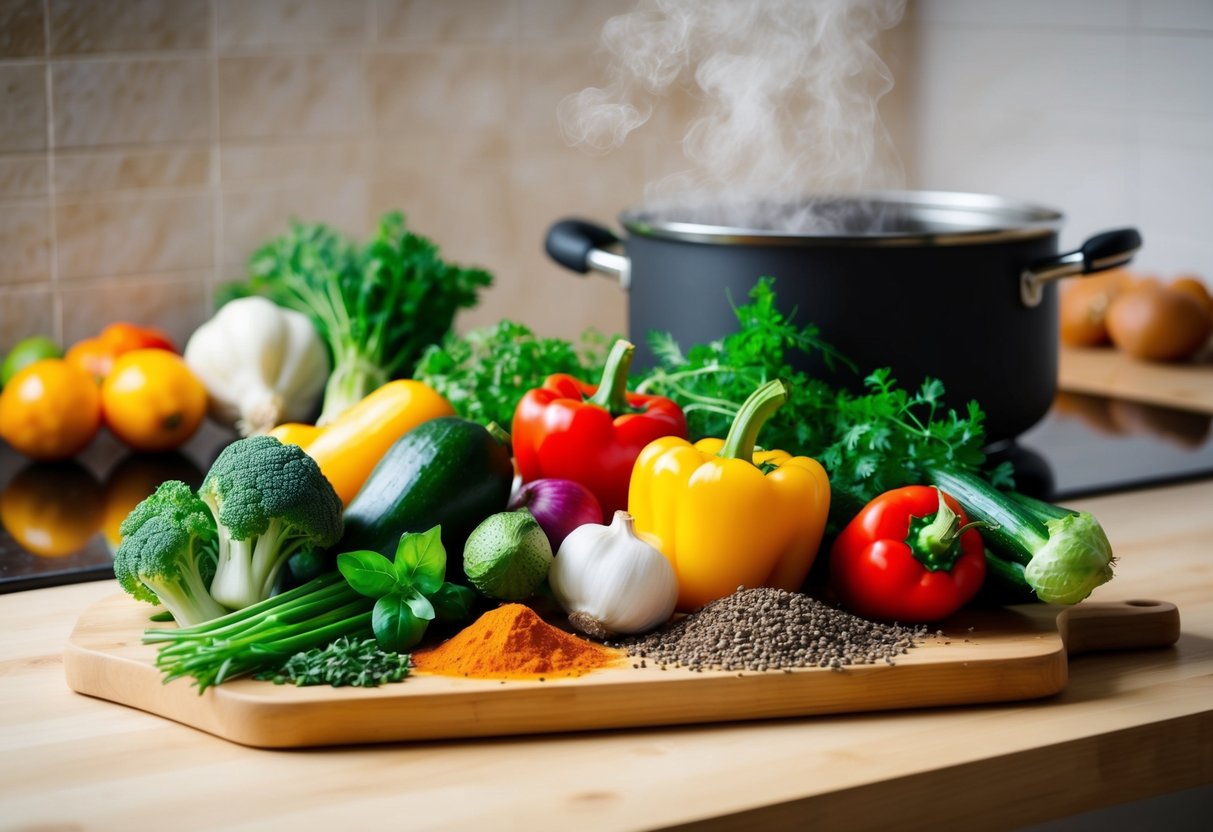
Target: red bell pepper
{"x":910,"y":555}
{"x":591,"y":434}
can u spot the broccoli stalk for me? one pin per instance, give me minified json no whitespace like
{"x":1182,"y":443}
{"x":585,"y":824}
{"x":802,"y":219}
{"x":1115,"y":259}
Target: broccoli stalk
{"x":270,"y":501}
{"x":167,"y":554}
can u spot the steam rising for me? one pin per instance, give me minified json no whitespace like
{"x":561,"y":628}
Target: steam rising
{"x":787,"y":93}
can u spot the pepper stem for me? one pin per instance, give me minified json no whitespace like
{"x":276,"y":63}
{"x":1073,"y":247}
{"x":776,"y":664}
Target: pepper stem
{"x":612,"y":392}
{"x":935,"y":539}
{"x":753,"y":414}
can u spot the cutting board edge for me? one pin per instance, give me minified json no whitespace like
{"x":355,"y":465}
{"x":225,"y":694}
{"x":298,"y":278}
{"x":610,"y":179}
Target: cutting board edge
{"x":269,"y":718}
{"x":261,"y":722}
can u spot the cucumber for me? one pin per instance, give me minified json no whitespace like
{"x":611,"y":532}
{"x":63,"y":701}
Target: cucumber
{"x":448,"y":471}
{"x":1017,"y":529}
{"x":1033,"y":546}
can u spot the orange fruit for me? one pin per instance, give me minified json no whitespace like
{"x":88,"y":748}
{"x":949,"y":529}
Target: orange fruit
{"x":152,"y":401}
{"x":50,"y":410}
{"x":135,"y":478}
{"x":93,"y":356}
{"x":52,"y":509}
{"x":97,"y":355}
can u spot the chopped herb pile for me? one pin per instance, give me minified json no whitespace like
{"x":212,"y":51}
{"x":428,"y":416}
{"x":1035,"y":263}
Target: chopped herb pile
{"x":345,"y":662}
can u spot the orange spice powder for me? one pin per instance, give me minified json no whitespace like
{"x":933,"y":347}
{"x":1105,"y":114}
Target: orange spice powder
{"x":513,"y":642}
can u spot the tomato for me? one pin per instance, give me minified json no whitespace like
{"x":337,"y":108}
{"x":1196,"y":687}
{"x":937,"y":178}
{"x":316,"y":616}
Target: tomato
{"x":52,"y":509}
{"x":97,"y":355}
{"x":123,"y":337}
{"x":152,"y":401}
{"x":50,"y":410}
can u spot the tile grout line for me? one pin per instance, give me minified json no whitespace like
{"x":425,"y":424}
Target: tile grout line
{"x":367,"y":137}
{"x":216,"y":178}
{"x":52,"y":201}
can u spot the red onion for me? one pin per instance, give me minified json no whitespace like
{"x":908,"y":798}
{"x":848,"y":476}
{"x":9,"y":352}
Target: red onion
{"x":558,"y":505}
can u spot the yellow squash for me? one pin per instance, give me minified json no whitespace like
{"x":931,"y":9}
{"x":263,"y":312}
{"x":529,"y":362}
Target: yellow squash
{"x":348,"y":448}
{"x":727,"y":516}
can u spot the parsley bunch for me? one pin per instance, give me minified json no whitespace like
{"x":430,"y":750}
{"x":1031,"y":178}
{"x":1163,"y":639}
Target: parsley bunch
{"x":484,"y":374}
{"x":377,"y":306}
{"x":880,"y":438}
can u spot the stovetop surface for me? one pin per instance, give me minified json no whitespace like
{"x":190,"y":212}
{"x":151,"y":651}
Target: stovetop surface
{"x":57,"y":521}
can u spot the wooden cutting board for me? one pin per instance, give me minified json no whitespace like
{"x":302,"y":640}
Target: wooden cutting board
{"x":1109,"y":372}
{"x":990,"y":655}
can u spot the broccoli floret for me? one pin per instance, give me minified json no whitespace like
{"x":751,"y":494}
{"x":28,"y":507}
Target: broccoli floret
{"x":167,"y":554}
{"x":270,"y":501}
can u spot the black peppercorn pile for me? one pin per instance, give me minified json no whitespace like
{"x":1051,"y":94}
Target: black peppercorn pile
{"x":770,"y":629}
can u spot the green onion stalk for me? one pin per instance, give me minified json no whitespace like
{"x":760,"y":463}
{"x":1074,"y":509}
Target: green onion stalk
{"x":265,"y":635}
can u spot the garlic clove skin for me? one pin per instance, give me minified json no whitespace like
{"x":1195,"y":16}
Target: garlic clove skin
{"x":611,"y":581}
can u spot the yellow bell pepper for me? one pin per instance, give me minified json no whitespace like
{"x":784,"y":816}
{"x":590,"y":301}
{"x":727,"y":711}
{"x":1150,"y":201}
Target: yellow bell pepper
{"x":348,"y":448}
{"x":727,"y":516}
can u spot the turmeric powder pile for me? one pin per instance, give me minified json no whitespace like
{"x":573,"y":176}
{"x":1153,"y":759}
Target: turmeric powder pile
{"x":512,"y":642}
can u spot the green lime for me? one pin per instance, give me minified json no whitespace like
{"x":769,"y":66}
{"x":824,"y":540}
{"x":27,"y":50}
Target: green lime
{"x":507,"y":556}
{"x":26,"y":352}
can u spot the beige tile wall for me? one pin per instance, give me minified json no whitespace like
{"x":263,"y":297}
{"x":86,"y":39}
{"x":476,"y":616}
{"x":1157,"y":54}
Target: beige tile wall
{"x":147,"y":146}
{"x":1102,"y":108}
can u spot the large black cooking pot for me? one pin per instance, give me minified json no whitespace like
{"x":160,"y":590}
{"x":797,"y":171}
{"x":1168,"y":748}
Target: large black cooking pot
{"x":953,"y":286}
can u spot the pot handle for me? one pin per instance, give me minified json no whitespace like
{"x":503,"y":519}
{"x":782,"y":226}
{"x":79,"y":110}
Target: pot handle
{"x":579,"y":245}
{"x":1103,"y":251}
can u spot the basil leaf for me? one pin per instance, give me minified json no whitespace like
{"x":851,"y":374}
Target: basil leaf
{"x":420,"y":605}
{"x":453,"y":602}
{"x":421,"y":560}
{"x":395,"y":627}
{"x":369,"y":573}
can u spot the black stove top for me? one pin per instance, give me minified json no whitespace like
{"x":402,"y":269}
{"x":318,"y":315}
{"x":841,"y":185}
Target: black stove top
{"x":57,"y":521}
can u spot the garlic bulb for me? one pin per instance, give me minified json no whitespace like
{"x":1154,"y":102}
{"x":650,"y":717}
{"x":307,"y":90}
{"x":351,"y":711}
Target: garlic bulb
{"x":610,"y":581}
{"x":262,"y":365}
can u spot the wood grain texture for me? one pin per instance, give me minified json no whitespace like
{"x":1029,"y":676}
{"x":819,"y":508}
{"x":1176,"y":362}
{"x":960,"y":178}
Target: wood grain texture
{"x":1109,"y":372}
{"x":983,"y":656}
{"x":1128,"y":725}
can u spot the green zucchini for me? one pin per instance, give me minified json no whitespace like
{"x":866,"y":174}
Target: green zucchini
{"x":1061,"y":555}
{"x":448,"y":471}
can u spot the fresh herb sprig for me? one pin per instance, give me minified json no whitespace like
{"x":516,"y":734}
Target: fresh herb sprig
{"x":409,"y":591}
{"x":484,"y":373}
{"x":869,"y":442}
{"x":346,"y":662}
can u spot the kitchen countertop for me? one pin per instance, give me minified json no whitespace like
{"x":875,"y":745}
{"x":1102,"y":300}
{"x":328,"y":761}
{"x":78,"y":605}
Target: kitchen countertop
{"x":1128,"y":726}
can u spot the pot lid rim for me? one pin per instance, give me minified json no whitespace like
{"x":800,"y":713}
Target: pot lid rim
{"x":1036,"y":221}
